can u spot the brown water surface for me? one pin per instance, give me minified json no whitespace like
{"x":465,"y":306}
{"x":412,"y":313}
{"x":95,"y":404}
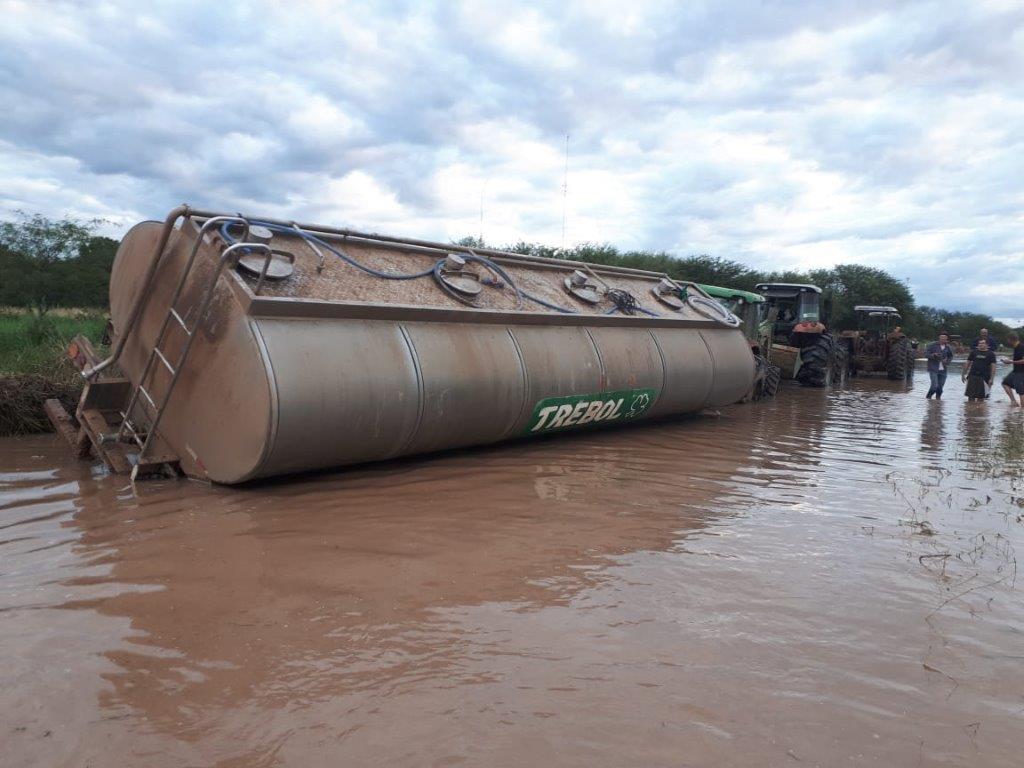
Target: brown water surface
{"x":826,"y":579}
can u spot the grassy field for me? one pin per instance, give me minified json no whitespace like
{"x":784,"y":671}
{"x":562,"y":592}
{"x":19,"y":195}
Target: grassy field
{"x":35,"y":345}
{"x":34,"y":365}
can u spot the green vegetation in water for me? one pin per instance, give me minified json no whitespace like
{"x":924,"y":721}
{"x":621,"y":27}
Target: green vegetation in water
{"x":1005,"y":458}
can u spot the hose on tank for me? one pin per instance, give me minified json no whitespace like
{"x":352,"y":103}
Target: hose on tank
{"x":225,"y":232}
{"x":626,"y":303}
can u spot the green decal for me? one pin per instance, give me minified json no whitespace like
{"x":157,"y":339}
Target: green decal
{"x":554,"y":413}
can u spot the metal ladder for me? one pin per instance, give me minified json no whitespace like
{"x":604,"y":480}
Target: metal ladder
{"x":131,"y":428}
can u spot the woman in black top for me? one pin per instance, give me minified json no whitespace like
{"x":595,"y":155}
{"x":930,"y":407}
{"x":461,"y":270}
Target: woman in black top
{"x":980,"y":372}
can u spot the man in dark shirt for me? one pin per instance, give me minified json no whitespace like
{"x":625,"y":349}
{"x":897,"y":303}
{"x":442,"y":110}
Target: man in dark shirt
{"x":939,"y":355}
{"x":980,"y":371}
{"x":1013,"y":382}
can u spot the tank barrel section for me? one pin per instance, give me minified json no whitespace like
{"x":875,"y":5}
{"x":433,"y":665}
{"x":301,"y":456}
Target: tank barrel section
{"x":399,"y":346}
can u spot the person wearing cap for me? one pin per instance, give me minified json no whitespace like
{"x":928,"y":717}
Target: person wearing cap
{"x":939,"y":355}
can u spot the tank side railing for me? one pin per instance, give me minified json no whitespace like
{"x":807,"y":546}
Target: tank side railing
{"x":354,"y":234}
{"x":141,"y":299}
{"x":172,"y":313}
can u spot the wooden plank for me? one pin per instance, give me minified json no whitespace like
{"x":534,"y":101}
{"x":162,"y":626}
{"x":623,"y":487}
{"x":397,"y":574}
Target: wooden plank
{"x":83,"y":445}
{"x":61,"y":420}
{"x":113,"y":454}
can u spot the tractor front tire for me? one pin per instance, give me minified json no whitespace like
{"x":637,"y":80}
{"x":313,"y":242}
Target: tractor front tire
{"x":899,"y":354}
{"x":817,"y":362}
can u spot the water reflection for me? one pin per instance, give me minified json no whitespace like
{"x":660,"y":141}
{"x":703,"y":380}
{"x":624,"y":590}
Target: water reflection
{"x":933,"y":428}
{"x":336,"y":586}
{"x":646,"y":596}
{"x":975,"y":428}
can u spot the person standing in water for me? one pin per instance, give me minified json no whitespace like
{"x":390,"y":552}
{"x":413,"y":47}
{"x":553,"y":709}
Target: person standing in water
{"x":980,"y":371}
{"x":939,"y":355}
{"x":983,"y":335}
{"x":1013,"y":382}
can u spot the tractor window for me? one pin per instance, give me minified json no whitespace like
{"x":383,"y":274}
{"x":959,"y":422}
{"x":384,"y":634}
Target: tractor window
{"x":733,"y":304}
{"x":787,"y":310}
{"x":810,"y":310}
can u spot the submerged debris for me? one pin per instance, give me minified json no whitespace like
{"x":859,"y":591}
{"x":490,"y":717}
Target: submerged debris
{"x":21,"y":402}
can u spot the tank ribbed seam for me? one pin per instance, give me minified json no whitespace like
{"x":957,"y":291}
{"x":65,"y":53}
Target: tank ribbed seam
{"x":420,"y":394}
{"x":526,"y":385}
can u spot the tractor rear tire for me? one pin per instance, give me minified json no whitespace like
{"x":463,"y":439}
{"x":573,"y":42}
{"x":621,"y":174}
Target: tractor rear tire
{"x":911,"y":362}
{"x":899,"y":354}
{"x":841,"y":365}
{"x":817,"y":362}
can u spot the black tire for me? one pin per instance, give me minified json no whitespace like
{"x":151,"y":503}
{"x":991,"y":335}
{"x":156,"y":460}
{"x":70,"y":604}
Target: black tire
{"x":841,"y":365}
{"x":760,"y":372}
{"x":899,"y":354}
{"x":817,"y":362}
{"x":772,"y":381}
{"x":767,"y":382}
{"x":911,"y":362}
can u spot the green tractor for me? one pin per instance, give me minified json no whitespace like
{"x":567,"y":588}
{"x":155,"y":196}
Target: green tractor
{"x":800,"y":344}
{"x":750,"y":309}
{"x":879,"y":345}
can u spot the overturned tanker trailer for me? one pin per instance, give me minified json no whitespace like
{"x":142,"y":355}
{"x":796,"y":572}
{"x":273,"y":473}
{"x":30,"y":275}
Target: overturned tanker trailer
{"x":248,"y":347}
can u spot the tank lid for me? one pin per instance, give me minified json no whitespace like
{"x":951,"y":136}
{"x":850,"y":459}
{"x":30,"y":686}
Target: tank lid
{"x":579,"y":285}
{"x":258,"y":234}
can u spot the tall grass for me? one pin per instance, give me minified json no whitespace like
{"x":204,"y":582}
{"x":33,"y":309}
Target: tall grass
{"x":34,"y":344}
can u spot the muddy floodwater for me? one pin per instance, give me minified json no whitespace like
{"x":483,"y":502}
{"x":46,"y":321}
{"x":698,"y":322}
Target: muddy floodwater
{"x":827,"y":579}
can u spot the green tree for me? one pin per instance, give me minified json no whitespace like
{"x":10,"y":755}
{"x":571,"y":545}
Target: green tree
{"x":46,"y":263}
{"x":847,"y":285}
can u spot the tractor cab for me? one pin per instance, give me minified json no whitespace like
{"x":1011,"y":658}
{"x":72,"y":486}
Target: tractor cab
{"x":793,"y":309}
{"x":876,"y":323}
{"x":878,"y":345}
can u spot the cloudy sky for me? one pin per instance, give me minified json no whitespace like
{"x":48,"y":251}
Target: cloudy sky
{"x":780,"y":134}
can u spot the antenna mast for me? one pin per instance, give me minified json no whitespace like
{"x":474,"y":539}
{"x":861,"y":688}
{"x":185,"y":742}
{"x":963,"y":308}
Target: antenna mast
{"x":565,"y":188}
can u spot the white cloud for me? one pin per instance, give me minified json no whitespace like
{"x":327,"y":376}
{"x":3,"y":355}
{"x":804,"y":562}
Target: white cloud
{"x":786,"y":135}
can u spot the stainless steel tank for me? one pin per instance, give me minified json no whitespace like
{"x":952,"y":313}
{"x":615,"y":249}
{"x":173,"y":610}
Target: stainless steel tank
{"x":298,"y":347}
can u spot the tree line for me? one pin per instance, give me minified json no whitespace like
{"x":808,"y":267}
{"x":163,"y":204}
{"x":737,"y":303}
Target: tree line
{"x":46,"y":263}
{"x":843,"y":286}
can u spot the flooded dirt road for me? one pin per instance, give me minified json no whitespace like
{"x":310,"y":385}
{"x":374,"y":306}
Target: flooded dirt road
{"x":827,"y":579}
